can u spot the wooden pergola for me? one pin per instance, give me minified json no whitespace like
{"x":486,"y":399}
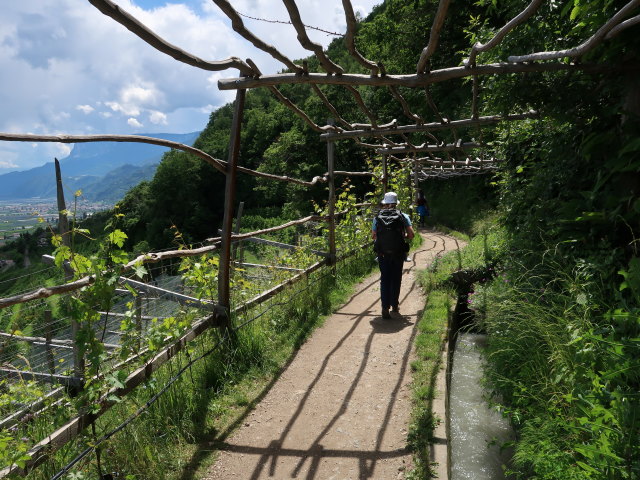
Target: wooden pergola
{"x":390,"y":139}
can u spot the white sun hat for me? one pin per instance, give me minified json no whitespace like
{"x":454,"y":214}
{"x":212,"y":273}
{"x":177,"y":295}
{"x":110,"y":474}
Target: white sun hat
{"x":390,"y":197}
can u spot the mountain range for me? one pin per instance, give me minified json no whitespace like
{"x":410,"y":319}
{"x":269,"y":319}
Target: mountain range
{"x":104,"y":171}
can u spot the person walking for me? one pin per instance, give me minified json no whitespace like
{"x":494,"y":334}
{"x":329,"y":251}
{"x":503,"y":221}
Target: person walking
{"x":390,"y":230}
{"x":423,"y":208}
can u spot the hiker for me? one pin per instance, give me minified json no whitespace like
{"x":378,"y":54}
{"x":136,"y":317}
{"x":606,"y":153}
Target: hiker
{"x":391,"y":228}
{"x":423,"y":208}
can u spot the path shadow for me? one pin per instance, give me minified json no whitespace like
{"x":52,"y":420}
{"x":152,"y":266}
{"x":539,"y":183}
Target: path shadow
{"x":367,"y":459}
{"x":215,"y":442}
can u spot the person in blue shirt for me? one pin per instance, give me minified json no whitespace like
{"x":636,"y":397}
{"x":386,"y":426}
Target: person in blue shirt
{"x":423,"y":208}
{"x":391,"y":261}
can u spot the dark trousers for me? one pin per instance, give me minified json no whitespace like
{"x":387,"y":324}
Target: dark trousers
{"x":390,"y":279}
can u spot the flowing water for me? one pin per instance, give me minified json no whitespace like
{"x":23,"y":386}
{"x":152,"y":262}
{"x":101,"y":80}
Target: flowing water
{"x":477,"y":432}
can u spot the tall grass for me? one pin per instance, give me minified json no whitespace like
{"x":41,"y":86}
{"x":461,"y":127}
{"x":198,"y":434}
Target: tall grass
{"x":563,"y":371}
{"x":563,"y":358}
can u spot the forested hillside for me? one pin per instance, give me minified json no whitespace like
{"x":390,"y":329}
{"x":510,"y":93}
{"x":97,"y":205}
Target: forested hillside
{"x":558,"y":222}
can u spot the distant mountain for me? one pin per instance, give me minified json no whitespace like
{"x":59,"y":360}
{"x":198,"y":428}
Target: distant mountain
{"x":112,"y":187}
{"x":104,"y":171}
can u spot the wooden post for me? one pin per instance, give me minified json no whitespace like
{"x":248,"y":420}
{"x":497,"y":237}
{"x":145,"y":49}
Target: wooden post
{"x":63,"y":221}
{"x":78,"y":357}
{"x":385,"y":179}
{"x":47,"y":333}
{"x":229,"y":202}
{"x":138,"y":306}
{"x":332,"y":199}
{"x":416,"y":182}
{"x":237,"y":247}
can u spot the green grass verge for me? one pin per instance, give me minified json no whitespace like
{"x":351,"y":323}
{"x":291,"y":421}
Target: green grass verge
{"x":429,"y":343}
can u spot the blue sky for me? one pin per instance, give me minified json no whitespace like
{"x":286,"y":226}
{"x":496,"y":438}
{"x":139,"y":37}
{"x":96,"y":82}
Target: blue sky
{"x":69,"y":69}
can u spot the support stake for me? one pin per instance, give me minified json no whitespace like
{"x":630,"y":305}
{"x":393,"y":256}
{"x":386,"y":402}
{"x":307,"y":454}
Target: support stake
{"x":230,"y":200}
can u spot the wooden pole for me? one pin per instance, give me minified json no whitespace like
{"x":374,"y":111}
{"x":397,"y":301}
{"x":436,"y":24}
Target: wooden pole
{"x":63,"y":221}
{"x":237,"y":247}
{"x":48,"y":336}
{"x":385,"y":179}
{"x":229,"y":199}
{"x":332,"y":198}
{"x":138,"y":307}
{"x":416,"y":184}
{"x":78,"y":356}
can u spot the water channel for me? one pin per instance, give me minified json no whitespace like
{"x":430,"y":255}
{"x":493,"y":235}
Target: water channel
{"x":477,"y":432}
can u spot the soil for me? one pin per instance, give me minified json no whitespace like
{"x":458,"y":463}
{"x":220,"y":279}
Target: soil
{"x":341,"y":409}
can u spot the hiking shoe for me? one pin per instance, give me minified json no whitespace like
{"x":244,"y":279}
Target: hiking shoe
{"x":395,"y":309}
{"x":385,"y":313}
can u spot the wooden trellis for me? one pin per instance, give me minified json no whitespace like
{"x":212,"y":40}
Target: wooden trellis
{"x":389,"y":138}
{"x":334,"y":74}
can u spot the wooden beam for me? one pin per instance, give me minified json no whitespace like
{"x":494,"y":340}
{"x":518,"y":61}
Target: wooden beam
{"x":426,"y":127}
{"x":429,"y":148}
{"x":224,"y":272}
{"x":306,"y":42}
{"x":421,"y":80}
{"x":434,"y":36}
{"x":497,"y":38}
{"x":133,"y":25}
{"x":238,"y":25}
{"x":24,"y":137}
{"x":584,"y":47}
{"x":349,"y":38}
{"x":331,"y":201}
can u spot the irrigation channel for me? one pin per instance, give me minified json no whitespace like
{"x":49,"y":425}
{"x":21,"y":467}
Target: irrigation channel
{"x":477,"y":433}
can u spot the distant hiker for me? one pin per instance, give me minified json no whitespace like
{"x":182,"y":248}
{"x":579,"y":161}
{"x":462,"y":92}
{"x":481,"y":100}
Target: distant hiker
{"x":391,"y":228}
{"x":423,"y":208}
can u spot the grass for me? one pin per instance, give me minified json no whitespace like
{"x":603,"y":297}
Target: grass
{"x":429,"y":343}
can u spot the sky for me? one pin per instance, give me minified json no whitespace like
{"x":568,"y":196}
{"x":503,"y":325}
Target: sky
{"x":68,"y":69}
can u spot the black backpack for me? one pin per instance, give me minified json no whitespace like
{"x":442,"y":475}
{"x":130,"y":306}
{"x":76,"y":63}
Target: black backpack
{"x":390,"y":227}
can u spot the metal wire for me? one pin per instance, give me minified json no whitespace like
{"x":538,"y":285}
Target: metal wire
{"x":138,"y":412}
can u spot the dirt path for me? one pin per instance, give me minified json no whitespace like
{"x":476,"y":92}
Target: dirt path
{"x":341,"y":408}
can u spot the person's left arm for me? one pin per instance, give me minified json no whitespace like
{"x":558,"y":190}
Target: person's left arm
{"x":409,"y":233}
{"x":408,"y":229}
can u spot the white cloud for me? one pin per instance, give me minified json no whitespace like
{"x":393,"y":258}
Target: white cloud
{"x":123,"y":108}
{"x":6,"y":164}
{"x":134,"y":123}
{"x":158,"y":118}
{"x":86,"y":109}
{"x":64,"y":53}
{"x":64,"y":149}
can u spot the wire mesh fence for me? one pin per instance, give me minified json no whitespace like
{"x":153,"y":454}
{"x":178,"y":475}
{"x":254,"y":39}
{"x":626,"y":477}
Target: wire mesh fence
{"x":144,"y":323}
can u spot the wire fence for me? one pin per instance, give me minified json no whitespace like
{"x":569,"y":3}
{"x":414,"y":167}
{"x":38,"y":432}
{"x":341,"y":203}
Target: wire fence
{"x":149,"y":322}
